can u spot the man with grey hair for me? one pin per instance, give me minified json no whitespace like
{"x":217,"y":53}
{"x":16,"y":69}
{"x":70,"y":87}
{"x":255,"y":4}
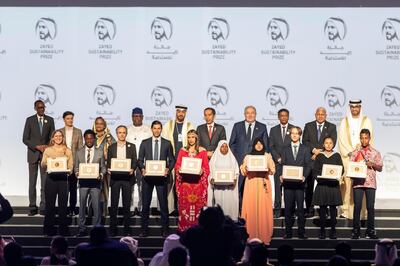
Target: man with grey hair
{"x":313,"y":137}
{"x":242,"y":137}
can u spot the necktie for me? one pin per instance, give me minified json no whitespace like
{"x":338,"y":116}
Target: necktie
{"x":248,"y":133}
{"x":295,"y":151}
{"x":155,"y":157}
{"x":88,"y":156}
{"x":283,"y":133}
{"x":41,"y":125}
{"x":319,"y":132}
{"x":210,"y":131}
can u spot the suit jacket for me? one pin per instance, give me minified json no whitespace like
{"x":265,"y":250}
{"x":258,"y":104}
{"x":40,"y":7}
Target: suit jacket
{"x":218,"y":134}
{"x":276,"y":143}
{"x":98,"y":157}
{"x":303,"y":159}
{"x":238,"y":143}
{"x":130,"y":154}
{"x":310,"y":134}
{"x":77,"y":139}
{"x":32,"y":137}
{"x":146,"y":153}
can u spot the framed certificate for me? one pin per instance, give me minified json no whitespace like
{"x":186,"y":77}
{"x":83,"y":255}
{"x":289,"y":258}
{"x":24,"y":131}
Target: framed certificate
{"x":155,"y":168}
{"x":257,"y":163}
{"x":292,"y":173}
{"x":88,"y":171}
{"x":120,"y":165}
{"x":191,"y":166}
{"x":331,"y":171}
{"x":357,"y":170}
{"x":224,"y":177}
{"x":57,"y":165}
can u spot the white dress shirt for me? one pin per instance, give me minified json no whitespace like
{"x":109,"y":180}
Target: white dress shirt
{"x":137,"y":134}
{"x":121,"y":151}
{"x":68,"y":136}
{"x":91,"y":153}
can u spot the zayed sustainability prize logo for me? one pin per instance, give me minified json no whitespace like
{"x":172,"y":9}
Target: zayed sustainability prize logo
{"x":105,"y":32}
{"x":390,"y":100}
{"x":46,"y":31}
{"x":277,"y":31}
{"x":335,"y":32}
{"x":161,"y":30}
{"x":390,"y":32}
{"x":161,"y":97}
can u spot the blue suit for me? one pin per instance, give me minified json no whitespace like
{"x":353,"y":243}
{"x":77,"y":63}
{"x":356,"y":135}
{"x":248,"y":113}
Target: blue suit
{"x":240,"y":145}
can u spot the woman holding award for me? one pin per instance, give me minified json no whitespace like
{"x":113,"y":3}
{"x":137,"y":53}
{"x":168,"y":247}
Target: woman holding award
{"x":191,"y":181}
{"x":225,"y":195}
{"x":257,"y":194}
{"x":327,"y":193}
{"x":56,"y":184}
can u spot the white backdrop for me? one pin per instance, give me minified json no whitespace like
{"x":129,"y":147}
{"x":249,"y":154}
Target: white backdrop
{"x":298,"y":58}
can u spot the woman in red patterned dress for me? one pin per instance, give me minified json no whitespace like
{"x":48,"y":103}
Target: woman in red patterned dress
{"x":191,"y":189}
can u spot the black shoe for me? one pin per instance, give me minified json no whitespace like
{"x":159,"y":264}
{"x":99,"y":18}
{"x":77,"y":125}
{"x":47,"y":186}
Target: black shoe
{"x":132,"y":213}
{"x":310,"y":213}
{"x":136,"y":212}
{"x":355,"y":234}
{"x":371,"y":234}
{"x":144,"y":233}
{"x":33,"y":212}
{"x":332,"y":234}
{"x":303,"y":236}
{"x":174,"y":213}
{"x":322,"y":234}
{"x":277,"y":213}
{"x":82,"y":233}
{"x":287,"y":236}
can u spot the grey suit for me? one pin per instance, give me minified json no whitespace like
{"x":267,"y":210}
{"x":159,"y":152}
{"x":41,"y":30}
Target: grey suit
{"x":276,"y":145}
{"x":91,"y":187}
{"x":218,"y":133}
{"x":31,"y":138}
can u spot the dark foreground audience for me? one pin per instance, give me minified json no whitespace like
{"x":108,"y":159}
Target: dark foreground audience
{"x":101,"y":251}
{"x":177,"y":257}
{"x":285,"y":255}
{"x":59,"y":254}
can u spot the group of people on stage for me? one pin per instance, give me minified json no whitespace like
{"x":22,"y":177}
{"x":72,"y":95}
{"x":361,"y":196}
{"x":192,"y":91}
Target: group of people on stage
{"x":249,"y":197}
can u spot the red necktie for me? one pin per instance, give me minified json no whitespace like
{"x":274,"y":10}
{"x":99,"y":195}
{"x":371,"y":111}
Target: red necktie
{"x":210,"y":131}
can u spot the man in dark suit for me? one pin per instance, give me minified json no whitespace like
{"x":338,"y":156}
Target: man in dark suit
{"x":314,"y":134}
{"x":37,"y":133}
{"x":89,"y":154}
{"x":242,"y":137}
{"x":155,"y":148}
{"x":279,"y":138}
{"x":121,"y":181}
{"x":210,"y":133}
{"x":296,"y":154}
{"x":74,"y":141}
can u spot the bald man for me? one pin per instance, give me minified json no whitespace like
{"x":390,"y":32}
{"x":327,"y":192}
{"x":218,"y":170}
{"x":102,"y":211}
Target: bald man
{"x":313,"y":137}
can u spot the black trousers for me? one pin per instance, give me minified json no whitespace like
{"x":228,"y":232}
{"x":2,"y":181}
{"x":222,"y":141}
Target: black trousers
{"x":309,"y":189}
{"x":278,"y":187}
{"x":322,"y":215}
{"x":56,"y":187}
{"x":358,"y":194}
{"x":294,"y":198}
{"x":162,"y":195}
{"x":73,"y":191}
{"x":126,"y":187}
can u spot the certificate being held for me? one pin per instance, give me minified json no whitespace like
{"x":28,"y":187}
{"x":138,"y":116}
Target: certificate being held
{"x":292,"y":173}
{"x":224,"y":177}
{"x":88,"y":171}
{"x":257,"y":163}
{"x":120,"y":165}
{"x":331,"y":172}
{"x":357,"y":170}
{"x":191,"y":166}
{"x":57,"y":165}
{"x":155,"y":168}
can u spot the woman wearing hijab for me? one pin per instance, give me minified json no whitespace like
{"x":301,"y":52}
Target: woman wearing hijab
{"x":224,"y":195}
{"x":257,"y":196}
{"x":191,"y":189}
{"x":103,"y":140}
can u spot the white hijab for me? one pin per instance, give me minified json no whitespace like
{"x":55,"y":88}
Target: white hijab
{"x":161,"y":258}
{"x":223,"y":162}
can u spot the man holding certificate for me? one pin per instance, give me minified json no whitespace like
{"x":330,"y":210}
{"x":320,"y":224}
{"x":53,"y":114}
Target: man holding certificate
{"x":156,"y":159}
{"x":296,"y":165}
{"x":90,"y":170}
{"x":121,"y":164}
{"x":367,"y":185}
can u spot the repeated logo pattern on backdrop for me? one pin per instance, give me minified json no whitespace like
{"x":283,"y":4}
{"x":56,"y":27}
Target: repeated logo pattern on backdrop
{"x":105,"y":61}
